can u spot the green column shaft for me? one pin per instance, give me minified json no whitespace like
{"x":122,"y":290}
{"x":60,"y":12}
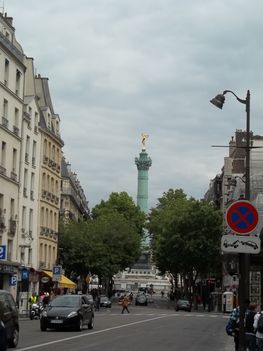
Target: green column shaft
{"x":143,"y":164}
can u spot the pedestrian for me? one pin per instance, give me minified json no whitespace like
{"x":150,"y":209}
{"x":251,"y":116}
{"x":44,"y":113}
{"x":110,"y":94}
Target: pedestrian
{"x":257,"y":327}
{"x":131,"y":297}
{"x":97,"y":302}
{"x":32,"y":299}
{"x":233,"y":324}
{"x":249,"y":328}
{"x":162,"y":293}
{"x":232,"y":327}
{"x":125,"y":303}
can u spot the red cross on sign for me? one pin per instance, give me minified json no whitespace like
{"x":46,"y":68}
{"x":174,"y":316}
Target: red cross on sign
{"x":242,"y":217}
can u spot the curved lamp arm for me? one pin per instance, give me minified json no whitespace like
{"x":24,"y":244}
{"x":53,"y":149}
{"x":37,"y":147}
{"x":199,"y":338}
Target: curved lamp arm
{"x":240,"y":100}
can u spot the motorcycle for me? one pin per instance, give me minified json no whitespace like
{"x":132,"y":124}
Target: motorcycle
{"x":36,"y":310}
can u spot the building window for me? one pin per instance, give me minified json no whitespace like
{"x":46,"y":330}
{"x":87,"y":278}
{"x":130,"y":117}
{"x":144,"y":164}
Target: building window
{"x":36,"y":122}
{"x":23,"y":218}
{"x":9,"y":249}
{"x":14,"y":161}
{"x":5,"y":114}
{"x":29,"y":256}
{"x":25,"y":182}
{"x":32,"y":186}
{"x":27,"y":149}
{"x":15,"y":127}
{"x":6,"y":72}
{"x":3,"y":154}
{"x":30,"y":224}
{"x":34,"y":148}
{"x":18,"y":81}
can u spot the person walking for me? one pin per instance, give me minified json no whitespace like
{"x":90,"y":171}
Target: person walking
{"x":97,"y":302}
{"x":233,"y":323}
{"x":125,"y":303}
{"x":250,"y":333}
{"x":257,"y":326}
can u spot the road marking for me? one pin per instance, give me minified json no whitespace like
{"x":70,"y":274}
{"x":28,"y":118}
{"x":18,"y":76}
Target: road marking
{"x":91,"y":333}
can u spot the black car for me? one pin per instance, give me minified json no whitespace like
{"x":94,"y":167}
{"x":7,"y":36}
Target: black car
{"x":183,"y":304}
{"x":9,"y":330}
{"x":105,"y":301}
{"x":71,"y":311}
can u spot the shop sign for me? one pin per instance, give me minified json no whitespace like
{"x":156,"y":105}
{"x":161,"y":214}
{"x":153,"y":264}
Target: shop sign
{"x":44,"y":280}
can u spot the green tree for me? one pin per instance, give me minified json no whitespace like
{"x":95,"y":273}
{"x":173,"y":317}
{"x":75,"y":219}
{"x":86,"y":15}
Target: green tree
{"x":186,"y":236}
{"x":116,"y":246}
{"x":123,"y":204}
{"x":108,"y":243}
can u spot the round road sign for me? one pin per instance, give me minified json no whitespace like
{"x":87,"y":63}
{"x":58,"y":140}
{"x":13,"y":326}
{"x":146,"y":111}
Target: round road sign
{"x":242,"y":217}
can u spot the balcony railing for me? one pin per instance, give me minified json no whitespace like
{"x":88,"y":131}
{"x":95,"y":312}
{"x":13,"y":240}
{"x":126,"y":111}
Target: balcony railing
{"x":13,"y":176}
{"x":4,"y":122}
{"x":2,"y":170}
{"x":16,"y":130}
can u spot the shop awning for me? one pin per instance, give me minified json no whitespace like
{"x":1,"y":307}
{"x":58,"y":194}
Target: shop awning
{"x":64,"y":282}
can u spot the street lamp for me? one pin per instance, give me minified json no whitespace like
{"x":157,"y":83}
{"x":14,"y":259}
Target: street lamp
{"x":243,"y":291}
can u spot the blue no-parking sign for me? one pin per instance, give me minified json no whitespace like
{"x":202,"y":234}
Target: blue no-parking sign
{"x":242,"y":217}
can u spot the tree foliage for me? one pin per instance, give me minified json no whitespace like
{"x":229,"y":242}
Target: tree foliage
{"x":123,"y":204}
{"x":186,"y":235}
{"x":108,"y":243}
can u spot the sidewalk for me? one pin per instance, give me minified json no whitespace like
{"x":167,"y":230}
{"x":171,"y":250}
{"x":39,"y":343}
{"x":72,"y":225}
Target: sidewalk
{"x":230,"y":346}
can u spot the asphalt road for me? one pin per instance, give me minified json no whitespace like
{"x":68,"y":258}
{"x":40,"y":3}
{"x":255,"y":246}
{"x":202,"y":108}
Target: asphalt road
{"x":155,"y":328}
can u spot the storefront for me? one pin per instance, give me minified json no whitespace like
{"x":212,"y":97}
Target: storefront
{"x":47,"y":284}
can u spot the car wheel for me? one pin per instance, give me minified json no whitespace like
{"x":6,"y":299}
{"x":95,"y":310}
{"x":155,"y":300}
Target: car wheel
{"x":91,"y":323}
{"x":13,"y":341}
{"x":80,"y":324}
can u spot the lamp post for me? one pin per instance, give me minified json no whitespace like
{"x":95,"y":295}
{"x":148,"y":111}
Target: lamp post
{"x":243,"y":291}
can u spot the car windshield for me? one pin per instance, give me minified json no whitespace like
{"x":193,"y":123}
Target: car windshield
{"x":65,"y":301}
{"x":104,"y":298}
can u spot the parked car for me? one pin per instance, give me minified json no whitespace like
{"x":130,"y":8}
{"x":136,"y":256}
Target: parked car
{"x":183,"y":304}
{"x":141,"y":299}
{"x":105,"y":301}
{"x":71,"y":311}
{"x":9,"y":317}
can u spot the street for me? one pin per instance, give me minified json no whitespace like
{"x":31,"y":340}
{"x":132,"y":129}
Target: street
{"x":152,"y":327}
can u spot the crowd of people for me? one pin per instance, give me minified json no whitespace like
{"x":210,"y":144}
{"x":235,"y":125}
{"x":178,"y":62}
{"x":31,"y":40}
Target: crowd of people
{"x":252,"y":325}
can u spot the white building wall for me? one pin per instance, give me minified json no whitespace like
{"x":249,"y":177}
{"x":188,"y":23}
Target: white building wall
{"x":12,"y":70}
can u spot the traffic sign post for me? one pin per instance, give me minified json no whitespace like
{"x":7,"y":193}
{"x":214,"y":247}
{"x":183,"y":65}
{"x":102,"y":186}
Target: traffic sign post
{"x":242,"y":217}
{"x":2,"y":252}
{"x":57,"y":272}
{"x":240,"y":244}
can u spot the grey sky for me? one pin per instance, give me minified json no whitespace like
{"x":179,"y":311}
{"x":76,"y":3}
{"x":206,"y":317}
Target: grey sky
{"x":117,"y":68}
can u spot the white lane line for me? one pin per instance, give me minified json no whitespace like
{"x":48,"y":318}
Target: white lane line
{"x":90,"y":333}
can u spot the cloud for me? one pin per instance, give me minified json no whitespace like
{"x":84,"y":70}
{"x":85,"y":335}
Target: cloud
{"x":118,"y":68}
